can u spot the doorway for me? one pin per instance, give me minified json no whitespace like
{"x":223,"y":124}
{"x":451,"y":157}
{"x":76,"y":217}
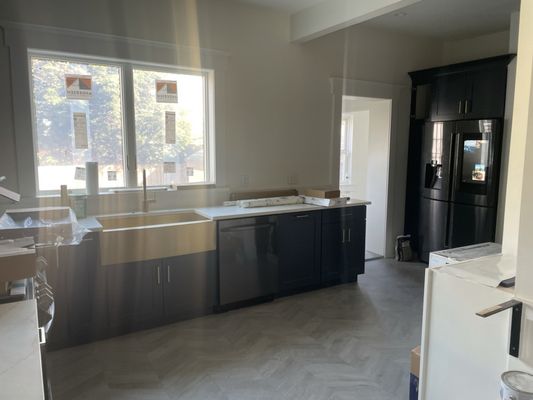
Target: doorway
{"x":364,"y":163}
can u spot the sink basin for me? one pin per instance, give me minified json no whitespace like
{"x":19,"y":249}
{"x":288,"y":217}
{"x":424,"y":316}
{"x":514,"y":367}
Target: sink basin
{"x":151,"y":236}
{"x":146,"y":220}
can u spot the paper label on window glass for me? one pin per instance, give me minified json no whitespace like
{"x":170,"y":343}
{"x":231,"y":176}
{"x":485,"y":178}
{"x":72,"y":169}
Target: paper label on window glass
{"x":169,"y":167}
{"x":166,"y":91}
{"x":190,"y":171}
{"x":80,"y":130}
{"x":111,"y":175}
{"x":170,"y":127}
{"x":78,"y":87}
{"x":79,"y":174}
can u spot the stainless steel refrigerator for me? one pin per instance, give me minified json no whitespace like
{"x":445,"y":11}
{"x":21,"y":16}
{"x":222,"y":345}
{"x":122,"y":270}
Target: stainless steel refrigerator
{"x":459,"y":184}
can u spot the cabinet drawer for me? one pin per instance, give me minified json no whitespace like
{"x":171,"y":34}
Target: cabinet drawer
{"x":287,"y":218}
{"x":342,"y":214}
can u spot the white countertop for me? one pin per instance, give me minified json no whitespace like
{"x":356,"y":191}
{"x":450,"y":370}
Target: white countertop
{"x":489,"y":270}
{"x":21,"y":375}
{"x":230,"y":212}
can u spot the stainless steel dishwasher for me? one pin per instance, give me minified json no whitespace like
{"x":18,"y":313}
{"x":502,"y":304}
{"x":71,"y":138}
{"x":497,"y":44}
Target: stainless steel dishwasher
{"x":247,"y":260}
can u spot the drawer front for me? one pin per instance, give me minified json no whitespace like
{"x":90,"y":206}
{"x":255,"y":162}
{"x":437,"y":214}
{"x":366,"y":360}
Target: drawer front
{"x":342,"y":214}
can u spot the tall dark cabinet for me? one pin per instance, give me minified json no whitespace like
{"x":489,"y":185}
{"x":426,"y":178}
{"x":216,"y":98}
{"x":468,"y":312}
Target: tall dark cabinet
{"x":456,"y":131}
{"x":343,"y":244}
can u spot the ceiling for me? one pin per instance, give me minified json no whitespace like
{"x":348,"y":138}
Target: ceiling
{"x":450,"y":19}
{"x":289,"y":6}
{"x":444,"y":19}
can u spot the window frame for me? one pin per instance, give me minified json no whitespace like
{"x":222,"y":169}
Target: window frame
{"x":129,"y":160}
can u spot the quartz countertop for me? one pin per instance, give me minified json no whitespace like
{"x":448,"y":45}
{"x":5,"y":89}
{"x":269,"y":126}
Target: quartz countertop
{"x":230,"y":212}
{"x":21,"y":375}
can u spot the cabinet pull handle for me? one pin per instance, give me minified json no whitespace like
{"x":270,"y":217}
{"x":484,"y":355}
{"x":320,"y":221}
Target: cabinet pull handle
{"x":303,"y":216}
{"x":42,"y":336}
{"x":168,"y":273}
{"x":343,"y":235}
{"x":466,"y":107}
{"x":349,"y":235}
{"x":460,"y":106}
{"x":158,"y":275}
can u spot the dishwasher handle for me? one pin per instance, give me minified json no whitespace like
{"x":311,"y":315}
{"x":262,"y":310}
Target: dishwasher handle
{"x":246,"y":228}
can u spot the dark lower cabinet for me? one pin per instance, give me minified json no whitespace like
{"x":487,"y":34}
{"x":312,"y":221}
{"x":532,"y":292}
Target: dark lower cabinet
{"x":343,"y":244}
{"x":299,"y":251}
{"x":291,"y":253}
{"x":189,"y":286}
{"x":150,"y":293}
{"x":79,"y":293}
{"x":134,"y":296}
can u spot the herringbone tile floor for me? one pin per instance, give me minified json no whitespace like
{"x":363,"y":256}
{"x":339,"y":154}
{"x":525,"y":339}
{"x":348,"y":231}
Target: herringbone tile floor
{"x":345,"y":342}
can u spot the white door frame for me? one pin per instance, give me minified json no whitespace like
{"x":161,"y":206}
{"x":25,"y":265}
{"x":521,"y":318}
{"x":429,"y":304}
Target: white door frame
{"x":398,"y":144}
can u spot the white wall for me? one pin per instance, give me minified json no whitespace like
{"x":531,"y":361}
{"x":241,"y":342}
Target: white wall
{"x":507,"y":126}
{"x":518,"y":229}
{"x":277,"y":99}
{"x":490,"y":45}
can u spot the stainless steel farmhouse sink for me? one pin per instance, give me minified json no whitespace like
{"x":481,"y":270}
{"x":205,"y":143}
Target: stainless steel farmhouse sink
{"x":148,"y":236}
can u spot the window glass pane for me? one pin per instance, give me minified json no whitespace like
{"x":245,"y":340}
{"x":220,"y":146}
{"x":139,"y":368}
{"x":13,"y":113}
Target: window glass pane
{"x":170,"y":135}
{"x":475,"y":160}
{"x":83,"y":123}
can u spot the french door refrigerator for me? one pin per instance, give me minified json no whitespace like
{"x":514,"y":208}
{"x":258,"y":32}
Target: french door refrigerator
{"x":459,"y":184}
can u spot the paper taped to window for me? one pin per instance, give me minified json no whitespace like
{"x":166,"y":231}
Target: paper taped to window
{"x":166,"y":91}
{"x":79,"y":120}
{"x":78,"y":87}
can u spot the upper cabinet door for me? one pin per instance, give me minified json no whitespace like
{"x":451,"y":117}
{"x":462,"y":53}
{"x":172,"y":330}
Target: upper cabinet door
{"x":449,"y":95}
{"x":486,"y":93}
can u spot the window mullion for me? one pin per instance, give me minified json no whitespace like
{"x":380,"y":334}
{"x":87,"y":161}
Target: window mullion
{"x":130,"y":154}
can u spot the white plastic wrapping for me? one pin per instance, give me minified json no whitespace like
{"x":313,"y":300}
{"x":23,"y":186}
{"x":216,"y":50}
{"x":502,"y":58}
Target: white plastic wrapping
{"x":57,"y":225}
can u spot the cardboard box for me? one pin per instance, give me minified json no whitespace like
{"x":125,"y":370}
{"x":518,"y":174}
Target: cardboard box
{"x":415,"y":373}
{"x":323,"y":193}
{"x":17,"y":266}
{"x":415,"y":361}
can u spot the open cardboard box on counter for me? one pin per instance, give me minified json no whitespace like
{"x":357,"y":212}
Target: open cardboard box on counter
{"x":17,"y":260}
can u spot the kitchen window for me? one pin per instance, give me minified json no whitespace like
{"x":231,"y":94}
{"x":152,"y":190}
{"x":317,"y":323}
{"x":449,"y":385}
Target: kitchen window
{"x":80,"y":115}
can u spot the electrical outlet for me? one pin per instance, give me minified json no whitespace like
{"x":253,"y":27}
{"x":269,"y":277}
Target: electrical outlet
{"x":245,"y":180}
{"x":292,"y":179}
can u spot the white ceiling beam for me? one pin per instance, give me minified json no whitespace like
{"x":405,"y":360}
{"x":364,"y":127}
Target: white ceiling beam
{"x":332,"y":15}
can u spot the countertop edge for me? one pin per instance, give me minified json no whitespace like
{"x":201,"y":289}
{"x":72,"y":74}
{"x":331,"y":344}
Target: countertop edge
{"x":91,"y":222}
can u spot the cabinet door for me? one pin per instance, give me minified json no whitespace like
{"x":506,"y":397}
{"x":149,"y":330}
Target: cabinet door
{"x":354,"y":248}
{"x":333,"y":256}
{"x":84,"y":308}
{"x":343,"y":244}
{"x":189,"y":286}
{"x":134,"y":295}
{"x":449,"y":97}
{"x":79,"y":293}
{"x":486,"y":93}
{"x":299,"y":251}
